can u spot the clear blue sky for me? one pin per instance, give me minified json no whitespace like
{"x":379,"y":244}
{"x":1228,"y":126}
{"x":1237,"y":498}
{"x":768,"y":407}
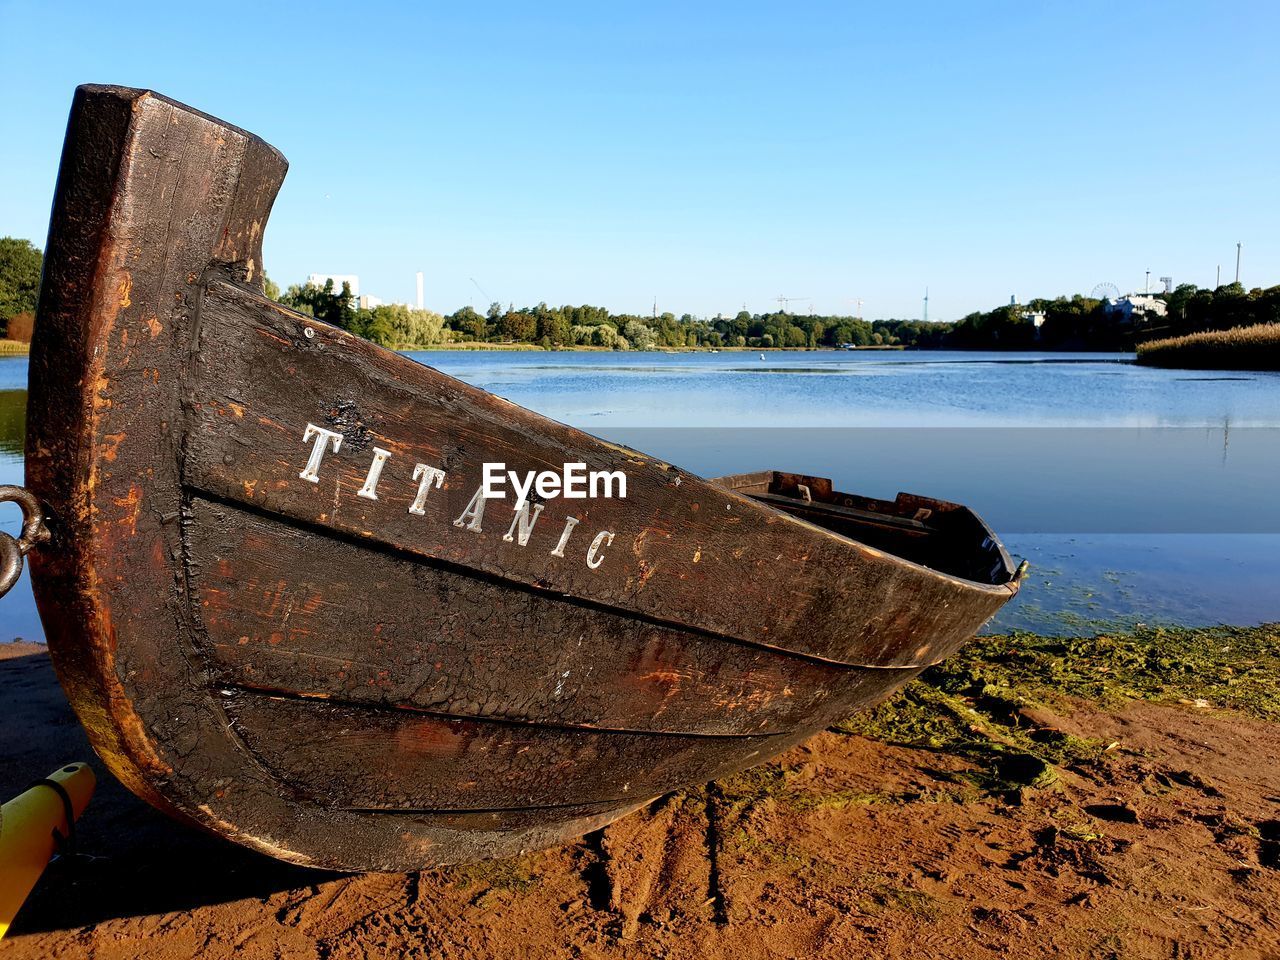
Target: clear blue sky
{"x":706,"y":154}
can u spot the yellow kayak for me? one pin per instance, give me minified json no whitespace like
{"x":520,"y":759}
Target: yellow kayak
{"x":31,"y":825}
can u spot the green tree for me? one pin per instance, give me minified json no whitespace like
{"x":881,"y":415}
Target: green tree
{"x":605,"y":335}
{"x":470,"y":324}
{"x":298,"y":297}
{"x":343,"y":307}
{"x":323,"y":303}
{"x":397,"y":325}
{"x":20,"y":263}
{"x":419,"y":328}
{"x":639,"y":336}
{"x":377,"y":325}
{"x":554,"y":328}
{"x":517,"y":325}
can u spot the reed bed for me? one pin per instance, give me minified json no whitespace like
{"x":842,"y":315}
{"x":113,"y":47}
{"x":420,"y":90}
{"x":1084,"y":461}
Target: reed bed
{"x":1242,"y":348}
{"x":13,"y":348}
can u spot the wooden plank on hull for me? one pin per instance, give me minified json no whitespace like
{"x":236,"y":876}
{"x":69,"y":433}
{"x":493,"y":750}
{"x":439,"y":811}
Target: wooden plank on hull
{"x":401,"y":632}
{"x":341,"y":755}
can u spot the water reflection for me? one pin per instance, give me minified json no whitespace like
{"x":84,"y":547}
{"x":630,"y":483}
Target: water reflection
{"x":1023,"y":480}
{"x":864,"y":389}
{"x":13,"y":421}
{"x":17,"y":610}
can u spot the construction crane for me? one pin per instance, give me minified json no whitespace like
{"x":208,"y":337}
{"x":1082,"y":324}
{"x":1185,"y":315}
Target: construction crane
{"x":481,"y":289}
{"x":784,"y":302}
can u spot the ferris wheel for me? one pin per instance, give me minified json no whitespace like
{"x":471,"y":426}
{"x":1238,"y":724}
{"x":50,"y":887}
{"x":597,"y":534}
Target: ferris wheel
{"x":1106,"y":291}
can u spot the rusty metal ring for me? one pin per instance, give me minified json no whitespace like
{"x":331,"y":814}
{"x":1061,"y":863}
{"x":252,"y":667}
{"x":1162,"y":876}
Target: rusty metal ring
{"x":10,"y":562}
{"x":34,"y":532}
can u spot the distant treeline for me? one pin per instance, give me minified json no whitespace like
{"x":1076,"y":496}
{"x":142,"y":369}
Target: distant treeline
{"x":588,"y":326}
{"x":1068,"y":323}
{"x":1084,"y":323}
{"x":1192,"y":309}
{"x":1071,"y":323}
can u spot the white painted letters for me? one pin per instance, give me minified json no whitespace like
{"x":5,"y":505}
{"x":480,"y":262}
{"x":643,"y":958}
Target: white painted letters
{"x":574,"y":482}
{"x":593,"y":552}
{"x":323,"y":438}
{"x":370,"y":489}
{"x":525,"y":521}
{"x":569,"y":524}
{"x":474,"y":512}
{"x":427,"y":478}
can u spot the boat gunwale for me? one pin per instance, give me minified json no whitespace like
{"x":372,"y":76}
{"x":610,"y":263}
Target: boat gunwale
{"x":387,"y":379}
{"x":1012,"y":584}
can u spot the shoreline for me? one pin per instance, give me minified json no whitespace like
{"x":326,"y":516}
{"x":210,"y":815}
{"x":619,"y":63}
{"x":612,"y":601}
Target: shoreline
{"x":481,"y":346}
{"x":12,"y":348}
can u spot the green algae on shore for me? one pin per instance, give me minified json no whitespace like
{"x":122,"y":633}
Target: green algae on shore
{"x":994,"y":703}
{"x":1226,"y":667}
{"x":984,"y":703}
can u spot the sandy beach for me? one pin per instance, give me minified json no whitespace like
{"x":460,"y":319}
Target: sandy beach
{"x":1159,"y":837}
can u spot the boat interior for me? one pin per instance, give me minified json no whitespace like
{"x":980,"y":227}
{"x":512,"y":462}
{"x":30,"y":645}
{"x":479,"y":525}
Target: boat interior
{"x":946,"y":537}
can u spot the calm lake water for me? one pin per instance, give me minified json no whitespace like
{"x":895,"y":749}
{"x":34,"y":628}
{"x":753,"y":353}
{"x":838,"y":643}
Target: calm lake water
{"x":1138,"y":495}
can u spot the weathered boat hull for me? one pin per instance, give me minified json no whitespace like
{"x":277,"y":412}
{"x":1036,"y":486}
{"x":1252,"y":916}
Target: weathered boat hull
{"x":282,"y":612}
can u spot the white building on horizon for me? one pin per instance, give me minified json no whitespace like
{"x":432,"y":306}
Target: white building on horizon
{"x":1138,"y":305}
{"x":319,"y":279}
{"x":365,"y":301}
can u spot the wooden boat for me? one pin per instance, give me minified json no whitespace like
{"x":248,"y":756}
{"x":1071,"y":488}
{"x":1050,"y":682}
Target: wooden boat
{"x":282,"y":612}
